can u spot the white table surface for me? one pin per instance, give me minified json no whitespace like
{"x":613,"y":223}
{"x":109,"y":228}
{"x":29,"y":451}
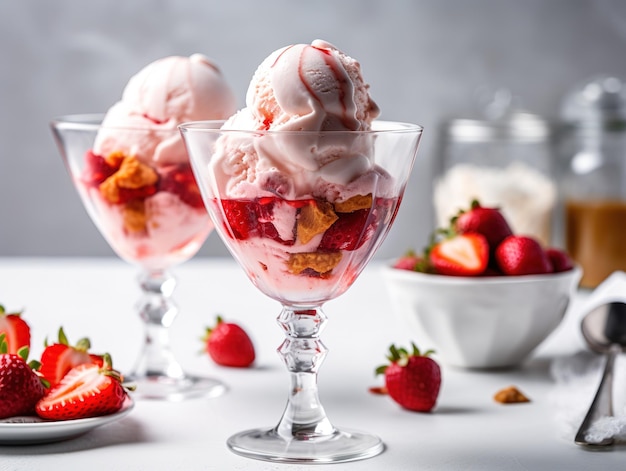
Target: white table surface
{"x":467,"y":430}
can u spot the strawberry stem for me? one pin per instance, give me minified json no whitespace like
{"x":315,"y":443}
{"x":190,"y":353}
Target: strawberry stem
{"x":23,"y":352}
{"x":62,"y":337}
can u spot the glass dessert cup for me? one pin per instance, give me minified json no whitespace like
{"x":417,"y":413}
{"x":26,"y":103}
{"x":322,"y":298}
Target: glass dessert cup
{"x":302,"y":241}
{"x":152,"y":216}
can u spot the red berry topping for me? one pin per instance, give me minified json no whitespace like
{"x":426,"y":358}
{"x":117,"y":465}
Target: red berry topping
{"x":348,"y":232}
{"x":97,"y":169}
{"x":180,"y":180}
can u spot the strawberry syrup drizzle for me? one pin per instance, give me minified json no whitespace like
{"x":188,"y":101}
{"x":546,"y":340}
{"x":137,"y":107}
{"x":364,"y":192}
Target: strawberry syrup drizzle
{"x":340,"y":76}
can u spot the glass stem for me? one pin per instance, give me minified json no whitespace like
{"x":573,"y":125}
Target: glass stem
{"x":302,"y":351}
{"x":157,"y":310}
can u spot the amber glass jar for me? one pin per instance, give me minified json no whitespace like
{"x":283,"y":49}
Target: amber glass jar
{"x":593,"y":183}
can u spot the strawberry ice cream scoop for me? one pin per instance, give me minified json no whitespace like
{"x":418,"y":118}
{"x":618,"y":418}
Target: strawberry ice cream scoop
{"x":161,"y":96}
{"x":314,"y":88}
{"x":310,"y":88}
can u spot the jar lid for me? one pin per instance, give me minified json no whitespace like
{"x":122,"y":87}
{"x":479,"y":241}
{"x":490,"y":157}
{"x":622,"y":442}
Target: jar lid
{"x":516,"y":126}
{"x":599,"y":102}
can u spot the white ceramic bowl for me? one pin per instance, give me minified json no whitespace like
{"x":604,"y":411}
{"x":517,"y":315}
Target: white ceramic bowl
{"x":480,"y":322}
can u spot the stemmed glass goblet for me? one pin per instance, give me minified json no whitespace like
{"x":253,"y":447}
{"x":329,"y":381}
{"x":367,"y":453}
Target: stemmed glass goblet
{"x":302,"y":212}
{"x":144,"y":200}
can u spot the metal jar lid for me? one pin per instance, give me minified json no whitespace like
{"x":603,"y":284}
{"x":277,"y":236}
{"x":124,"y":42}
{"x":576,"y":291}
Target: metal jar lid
{"x":516,"y":126}
{"x":597,"y":103}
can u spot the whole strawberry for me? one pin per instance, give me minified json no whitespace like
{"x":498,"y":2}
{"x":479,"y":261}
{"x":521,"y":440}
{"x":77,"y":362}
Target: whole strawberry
{"x":412,"y":262}
{"x":20,"y":386}
{"x":229,"y":345}
{"x":522,"y":255}
{"x":16,"y":330}
{"x":412,"y":379}
{"x":560,"y":259}
{"x":486,"y":221}
{"x":60,"y":357}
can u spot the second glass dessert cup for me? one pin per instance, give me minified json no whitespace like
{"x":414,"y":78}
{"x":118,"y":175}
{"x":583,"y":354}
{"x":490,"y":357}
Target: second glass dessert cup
{"x":139,"y":190}
{"x":303,"y":212}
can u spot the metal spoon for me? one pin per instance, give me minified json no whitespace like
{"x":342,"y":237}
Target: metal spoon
{"x":604,"y":329}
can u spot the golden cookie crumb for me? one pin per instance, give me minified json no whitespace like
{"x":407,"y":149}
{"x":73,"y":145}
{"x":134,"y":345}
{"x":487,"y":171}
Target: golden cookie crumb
{"x":134,"y":174}
{"x":109,"y":190}
{"x":115,"y":159}
{"x":510,"y":395}
{"x":319,"y":262}
{"x":314,"y":219}
{"x":353,"y":204}
{"x":134,"y":215}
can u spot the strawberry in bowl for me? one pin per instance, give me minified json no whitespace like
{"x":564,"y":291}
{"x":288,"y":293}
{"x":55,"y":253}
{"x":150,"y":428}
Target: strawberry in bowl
{"x":483,"y":296}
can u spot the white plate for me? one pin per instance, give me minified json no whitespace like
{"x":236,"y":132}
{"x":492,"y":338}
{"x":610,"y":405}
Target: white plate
{"x":34,"y":430}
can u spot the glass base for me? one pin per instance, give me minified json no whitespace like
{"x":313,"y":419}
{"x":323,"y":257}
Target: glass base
{"x":340,"y":446}
{"x":175,"y":389}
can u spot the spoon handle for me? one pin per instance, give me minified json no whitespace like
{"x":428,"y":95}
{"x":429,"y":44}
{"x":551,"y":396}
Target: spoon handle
{"x":602,"y":403}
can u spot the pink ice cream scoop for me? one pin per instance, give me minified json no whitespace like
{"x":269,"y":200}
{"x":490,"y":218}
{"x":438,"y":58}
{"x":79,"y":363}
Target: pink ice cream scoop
{"x":302,"y":87}
{"x":138,"y":172}
{"x":161,"y":96}
{"x":310,"y":88}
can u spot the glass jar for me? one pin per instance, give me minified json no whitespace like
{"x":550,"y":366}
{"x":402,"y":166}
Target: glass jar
{"x":593,"y":183}
{"x":504,"y":162}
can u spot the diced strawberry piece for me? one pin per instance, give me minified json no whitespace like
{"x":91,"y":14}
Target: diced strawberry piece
{"x":460,"y":255}
{"x":240,"y":217}
{"x":128,"y":194}
{"x":348,"y":232}
{"x":96,"y":168}
{"x":522,"y":255}
{"x":560,"y":260}
{"x":253,"y":218}
{"x":181,"y":181}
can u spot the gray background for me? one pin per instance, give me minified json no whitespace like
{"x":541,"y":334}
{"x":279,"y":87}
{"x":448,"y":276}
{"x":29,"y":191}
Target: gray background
{"x":426,"y":60}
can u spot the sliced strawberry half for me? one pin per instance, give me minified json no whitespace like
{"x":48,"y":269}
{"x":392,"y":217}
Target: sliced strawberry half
{"x":460,"y":255}
{"x":59,"y":358}
{"x":87,"y":390}
{"x":16,"y":330}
